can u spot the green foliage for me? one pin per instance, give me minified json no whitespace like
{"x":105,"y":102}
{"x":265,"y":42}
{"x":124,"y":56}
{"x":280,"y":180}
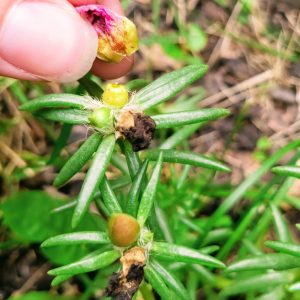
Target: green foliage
{"x":186,"y":230}
{"x":292,"y":171}
{"x":93,"y":177}
{"x":40,"y":296}
{"x":168,"y":85}
{"x":28,"y":215}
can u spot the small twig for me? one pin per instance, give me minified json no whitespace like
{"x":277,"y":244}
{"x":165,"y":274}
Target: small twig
{"x":244,"y":85}
{"x":35,"y":277}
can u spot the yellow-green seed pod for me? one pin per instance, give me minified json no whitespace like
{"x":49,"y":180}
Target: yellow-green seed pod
{"x":123,"y":229}
{"x":101,"y":118}
{"x":115,"y":95}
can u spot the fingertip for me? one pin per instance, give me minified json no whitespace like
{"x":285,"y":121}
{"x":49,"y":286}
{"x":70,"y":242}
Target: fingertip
{"x":108,"y":71}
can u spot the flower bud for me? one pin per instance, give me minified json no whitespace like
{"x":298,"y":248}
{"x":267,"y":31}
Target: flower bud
{"x":117,"y":35}
{"x":115,"y":95}
{"x":101,"y":118}
{"x":123,"y":229}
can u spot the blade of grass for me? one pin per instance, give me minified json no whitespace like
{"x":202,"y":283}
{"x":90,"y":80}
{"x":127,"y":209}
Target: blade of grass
{"x":180,"y":136}
{"x":60,"y":142}
{"x":238,"y":193}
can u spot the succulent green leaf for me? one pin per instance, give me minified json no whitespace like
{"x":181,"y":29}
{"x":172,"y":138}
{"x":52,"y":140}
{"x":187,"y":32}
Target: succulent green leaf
{"x":274,"y":261}
{"x":75,"y":238}
{"x":147,"y":200}
{"x":256,"y":283}
{"x":281,"y":227}
{"x":157,"y":282}
{"x":185,"y":157}
{"x":60,"y":279}
{"x":292,"y":171}
{"x":169,"y":85}
{"x":93,"y":177}
{"x":171,"y":281}
{"x":282,"y":247}
{"x":109,"y":198}
{"x":65,"y":115}
{"x":92,"y":263}
{"x":58,"y":101}
{"x":188,"y":117}
{"x":132,"y":203}
{"x":183,"y":254}
{"x":132,"y":158}
{"x":78,"y":159}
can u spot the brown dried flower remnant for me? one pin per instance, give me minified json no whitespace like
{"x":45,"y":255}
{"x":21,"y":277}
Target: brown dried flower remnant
{"x":124,"y":284}
{"x":137,"y":128}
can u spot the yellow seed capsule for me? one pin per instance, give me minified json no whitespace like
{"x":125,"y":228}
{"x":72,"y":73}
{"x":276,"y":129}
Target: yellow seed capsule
{"x":115,"y":95}
{"x":123,"y":229}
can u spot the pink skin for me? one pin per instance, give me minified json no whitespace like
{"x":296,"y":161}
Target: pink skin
{"x":48,"y":40}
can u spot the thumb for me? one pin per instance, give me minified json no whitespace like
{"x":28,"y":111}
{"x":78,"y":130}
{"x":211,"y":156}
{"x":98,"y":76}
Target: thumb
{"x":45,"y":40}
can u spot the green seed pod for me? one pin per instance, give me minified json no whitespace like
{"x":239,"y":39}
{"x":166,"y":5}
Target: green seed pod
{"x":123,"y":229}
{"x":101,"y":118}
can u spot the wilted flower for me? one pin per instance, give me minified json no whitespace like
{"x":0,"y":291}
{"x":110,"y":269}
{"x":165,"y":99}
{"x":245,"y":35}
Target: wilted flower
{"x":117,"y":35}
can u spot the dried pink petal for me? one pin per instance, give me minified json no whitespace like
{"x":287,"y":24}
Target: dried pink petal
{"x":117,"y":35}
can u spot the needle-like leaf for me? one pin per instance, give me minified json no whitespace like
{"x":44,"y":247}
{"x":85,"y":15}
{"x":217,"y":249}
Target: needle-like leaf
{"x":169,"y":85}
{"x":274,"y":261}
{"x":132,"y":203}
{"x":185,"y":157}
{"x":93,"y":177}
{"x":109,"y":198}
{"x":92,"y":263}
{"x":78,"y":159}
{"x":75,"y":238}
{"x":183,"y":254}
{"x":157,"y":282}
{"x":171,"y":281}
{"x":59,"y":101}
{"x":66,"y":115}
{"x":147,"y":200}
{"x":282,"y":247}
{"x":292,"y":171}
{"x":188,"y":117}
